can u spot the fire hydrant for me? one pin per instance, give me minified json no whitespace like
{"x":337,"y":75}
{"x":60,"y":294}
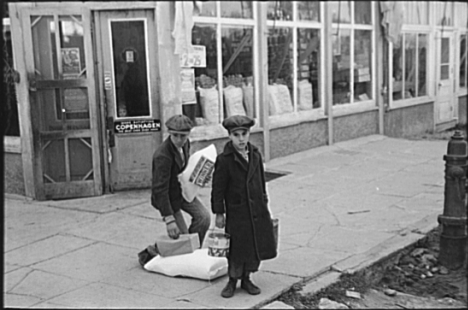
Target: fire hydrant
{"x":454,"y":236}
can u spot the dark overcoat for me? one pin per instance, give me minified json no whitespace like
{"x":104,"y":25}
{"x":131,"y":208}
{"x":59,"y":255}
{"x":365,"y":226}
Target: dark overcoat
{"x":239,"y":191}
{"x":166,"y":193}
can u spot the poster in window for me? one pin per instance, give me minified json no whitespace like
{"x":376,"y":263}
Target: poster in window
{"x":71,"y":64}
{"x":187,"y":85}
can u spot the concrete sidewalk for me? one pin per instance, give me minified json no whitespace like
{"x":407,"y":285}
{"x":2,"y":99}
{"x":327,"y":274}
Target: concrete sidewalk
{"x":341,"y":208}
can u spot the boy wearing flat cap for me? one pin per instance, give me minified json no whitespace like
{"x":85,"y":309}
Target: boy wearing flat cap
{"x":169,"y":160}
{"x":240,"y":202}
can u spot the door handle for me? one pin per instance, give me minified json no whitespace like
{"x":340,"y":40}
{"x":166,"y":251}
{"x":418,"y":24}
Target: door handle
{"x":110,"y":131}
{"x":32,"y":82}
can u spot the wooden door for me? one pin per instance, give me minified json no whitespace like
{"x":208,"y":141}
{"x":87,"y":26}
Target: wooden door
{"x":445,"y":88}
{"x":59,"y":63}
{"x":126,"y":48}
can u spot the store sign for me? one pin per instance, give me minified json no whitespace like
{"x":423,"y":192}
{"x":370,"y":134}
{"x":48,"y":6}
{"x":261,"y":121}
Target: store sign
{"x":137,"y":126}
{"x":196,"y":59}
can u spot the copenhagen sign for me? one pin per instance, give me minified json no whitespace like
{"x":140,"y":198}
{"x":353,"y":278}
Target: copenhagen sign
{"x":137,"y":126}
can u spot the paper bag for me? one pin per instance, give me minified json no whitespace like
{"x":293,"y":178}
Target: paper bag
{"x":198,"y":172}
{"x":185,"y":244}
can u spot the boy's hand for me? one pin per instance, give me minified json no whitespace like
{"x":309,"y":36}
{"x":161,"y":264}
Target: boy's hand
{"x":220,"y":221}
{"x":173,"y":230}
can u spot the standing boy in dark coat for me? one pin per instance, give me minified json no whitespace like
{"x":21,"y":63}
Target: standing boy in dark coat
{"x":239,"y":191}
{"x":169,"y":160}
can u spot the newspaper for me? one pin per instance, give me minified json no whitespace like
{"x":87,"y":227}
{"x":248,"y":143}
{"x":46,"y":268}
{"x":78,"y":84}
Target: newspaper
{"x":202,"y":172}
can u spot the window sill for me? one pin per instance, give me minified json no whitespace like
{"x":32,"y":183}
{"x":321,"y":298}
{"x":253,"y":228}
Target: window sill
{"x":295,"y":118}
{"x":353,"y":108}
{"x":409,"y":102}
{"x":12,"y":144}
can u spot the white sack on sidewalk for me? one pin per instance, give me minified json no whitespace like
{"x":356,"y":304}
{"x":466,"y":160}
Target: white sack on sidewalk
{"x":198,"y":172}
{"x":194,"y":265}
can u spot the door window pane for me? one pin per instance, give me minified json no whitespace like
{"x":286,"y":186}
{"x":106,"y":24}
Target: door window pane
{"x":53,"y":161}
{"x":341,"y":66}
{"x":279,"y":10}
{"x":362,"y":65}
{"x":69,"y":62}
{"x":362,"y":12}
{"x":130,"y":68}
{"x":308,"y":10}
{"x":397,"y":74}
{"x":72,"y":54}
{"x":81,"y":161}
{"x":308,"y":70}
{"x":236,"y":9}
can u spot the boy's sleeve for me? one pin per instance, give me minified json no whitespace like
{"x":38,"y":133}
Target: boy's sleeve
{"x":219,"y":186}
{"x":160,"y":185}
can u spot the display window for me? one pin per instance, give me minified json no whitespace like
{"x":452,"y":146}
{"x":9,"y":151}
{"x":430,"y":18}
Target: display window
{"x":294,"y":57}
{"x":352,"y":52}
{"x":409,"y":77}
{"x":408,"y":58}
{"x":225,"y":84}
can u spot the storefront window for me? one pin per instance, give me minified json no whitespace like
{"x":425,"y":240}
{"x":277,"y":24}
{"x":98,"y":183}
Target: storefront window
{"x":341,"y":67}
{"x":416,"y":12}
{"x":308,"y":10}
{"x":280,"y":10}
{"x":280,"y":70}
{"x":236,"y":9}
{"x":362,"y":12}
{"x":341,"y":11}
{"x":444,"y":13}
{"x":226,"y":88}
{"x":362,"y":65}
{"x":308,"y":68}
{"x":294,"y":64}
{"x":352,"y":45}
{"x":409,"y":78}
{"x":463,"y":63}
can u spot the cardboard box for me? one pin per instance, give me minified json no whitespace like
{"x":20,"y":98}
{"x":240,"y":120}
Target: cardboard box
{"x":185,"y":244}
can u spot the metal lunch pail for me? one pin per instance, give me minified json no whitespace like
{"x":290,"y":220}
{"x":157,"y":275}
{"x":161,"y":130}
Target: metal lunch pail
{"x":218,"y":244}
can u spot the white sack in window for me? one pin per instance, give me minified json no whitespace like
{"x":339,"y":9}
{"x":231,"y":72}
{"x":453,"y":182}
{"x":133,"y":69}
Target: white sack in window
{"x":248,"y":93}
{"x":198,"y":172}
{"x":194,"y":265}
{"x":305,"y":95}
{"x":279,"y":99}
{"x":210,"y":104}
{"x":233,"y":98}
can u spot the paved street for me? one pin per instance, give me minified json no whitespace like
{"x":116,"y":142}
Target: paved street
{"x":340,"y":208}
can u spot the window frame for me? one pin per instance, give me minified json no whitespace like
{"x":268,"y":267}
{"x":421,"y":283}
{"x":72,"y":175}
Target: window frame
{"x":366,"y":105}
{"x":216,"y":130}
{"x":413,"y":29}
{"x":298,"y":116}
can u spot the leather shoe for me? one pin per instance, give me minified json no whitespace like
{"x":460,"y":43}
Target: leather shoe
{"x":251,"y":288}
{"x":228,"y":290}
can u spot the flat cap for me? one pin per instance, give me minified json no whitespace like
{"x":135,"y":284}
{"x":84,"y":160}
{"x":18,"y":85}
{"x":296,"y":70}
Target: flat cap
{"x":179,"y":123}
{"x":236,"y":122}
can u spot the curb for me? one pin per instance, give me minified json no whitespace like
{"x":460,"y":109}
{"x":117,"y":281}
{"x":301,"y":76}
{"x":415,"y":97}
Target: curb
{"x":381,"y":252}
